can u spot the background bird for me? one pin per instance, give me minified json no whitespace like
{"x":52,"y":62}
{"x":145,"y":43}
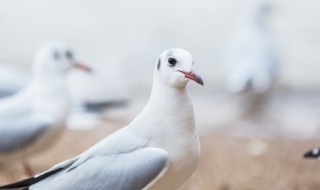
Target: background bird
{"x":34,"y":117}
{"x":252,"y":58}
{"x":159,"y":149}
{"x":90,"y":96}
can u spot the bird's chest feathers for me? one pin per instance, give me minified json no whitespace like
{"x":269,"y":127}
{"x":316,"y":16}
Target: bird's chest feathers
{"x":53,"y":103}
{"x":175,"y":133}
{"x":176,"y":124}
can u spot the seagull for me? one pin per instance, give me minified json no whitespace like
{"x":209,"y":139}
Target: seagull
{"x":252,"y":59}
{"x":312,"y":154}
{"x":252,"y":56}
{"x":158,"y":150}
{"x":33,"y":118}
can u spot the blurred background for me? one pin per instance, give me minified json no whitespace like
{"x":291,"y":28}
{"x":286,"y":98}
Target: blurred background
{"x":121,"y":41}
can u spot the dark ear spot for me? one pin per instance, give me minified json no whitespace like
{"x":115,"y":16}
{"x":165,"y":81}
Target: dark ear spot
{"x":158,"y":64}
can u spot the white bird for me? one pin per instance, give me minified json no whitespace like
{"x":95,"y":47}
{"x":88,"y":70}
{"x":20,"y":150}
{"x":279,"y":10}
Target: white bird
{"x":252,"y":59}
{"x":252,"y":56}
{"x":33,"y":118}
{"x":158,"y":150}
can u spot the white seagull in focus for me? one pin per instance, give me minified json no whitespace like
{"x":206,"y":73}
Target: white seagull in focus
{"x":158,"y":150}
{"x":33,"y":118}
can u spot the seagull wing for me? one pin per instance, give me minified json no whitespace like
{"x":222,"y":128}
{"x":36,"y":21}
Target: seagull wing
{"x":119,"y":162}
{"x":11,"y":81}
{"x":17,"y":133}
{"x":17,"y":105}
{"x":128,"y":171}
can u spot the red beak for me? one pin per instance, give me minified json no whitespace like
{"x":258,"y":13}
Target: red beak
{"x":82,"y":67}
{"x":193,"y":76}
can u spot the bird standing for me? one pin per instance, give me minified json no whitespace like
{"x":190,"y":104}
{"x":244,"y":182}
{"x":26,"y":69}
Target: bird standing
{"x":252,"y":58}
{"x":158,"y":150}
{"x":33,"y":118}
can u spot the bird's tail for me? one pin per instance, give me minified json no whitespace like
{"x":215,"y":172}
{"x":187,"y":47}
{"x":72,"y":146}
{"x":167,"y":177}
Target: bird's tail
{"x":25,"y":184}
{"x":20,"y":185}
{"x":312,"y":154}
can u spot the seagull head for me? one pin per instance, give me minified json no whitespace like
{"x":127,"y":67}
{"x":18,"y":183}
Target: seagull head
{"x":175,"y":68}
{"x":55,"y":59}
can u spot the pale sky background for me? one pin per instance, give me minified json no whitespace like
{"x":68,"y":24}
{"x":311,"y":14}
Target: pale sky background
{"x":123,"y":38}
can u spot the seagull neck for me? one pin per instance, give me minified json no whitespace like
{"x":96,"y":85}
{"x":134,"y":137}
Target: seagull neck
{"x":162,"y":94}
{"x":167,"y":107}
{"x":172,"y":104}
{"x":52,"y":97}
{"x":51,"y":86}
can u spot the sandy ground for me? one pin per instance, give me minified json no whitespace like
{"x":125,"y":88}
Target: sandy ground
{"x":227,"y":163}
{"x":234,"y":157}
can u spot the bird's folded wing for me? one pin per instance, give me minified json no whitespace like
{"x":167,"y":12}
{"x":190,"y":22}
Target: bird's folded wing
{"x":18,"y":133}
{"x":14,"y":106}
{"x":127,"y":171}
{"x":30,"y":181}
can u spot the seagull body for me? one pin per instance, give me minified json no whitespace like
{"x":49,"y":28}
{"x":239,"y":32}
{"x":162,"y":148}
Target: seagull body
{"x":159,"y":149}
{"x":33,"y":118}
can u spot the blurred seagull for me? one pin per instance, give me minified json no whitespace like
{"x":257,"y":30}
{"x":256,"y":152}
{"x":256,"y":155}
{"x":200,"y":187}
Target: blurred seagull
{"x":11,"y":80}
{"x":158,"y":150}
{"x":252,"y":57}
{"x":312,"y":154}
{"x":90,"y":96}
{"x":34,"y":117}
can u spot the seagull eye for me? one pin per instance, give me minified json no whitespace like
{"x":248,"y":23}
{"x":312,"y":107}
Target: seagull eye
{"x":69,"y":55}
{"x":172,"y":61}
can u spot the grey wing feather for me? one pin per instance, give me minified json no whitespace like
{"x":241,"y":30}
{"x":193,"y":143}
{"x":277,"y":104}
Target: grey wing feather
{"x":6,"y":92}
{"x":15,"y":134}
{"x":126,"y":171}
